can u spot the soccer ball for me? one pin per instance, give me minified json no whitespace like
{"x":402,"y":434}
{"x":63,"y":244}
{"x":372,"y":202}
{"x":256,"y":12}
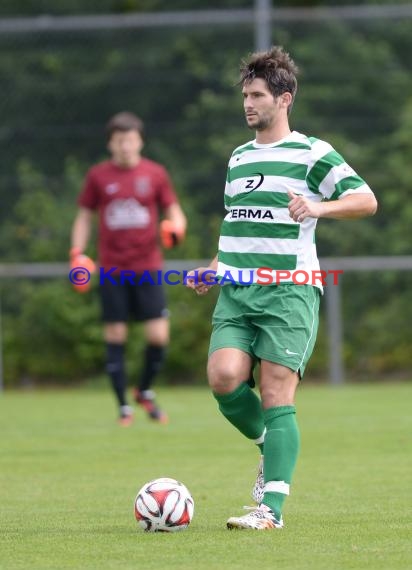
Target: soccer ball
{"x":164,"y":505}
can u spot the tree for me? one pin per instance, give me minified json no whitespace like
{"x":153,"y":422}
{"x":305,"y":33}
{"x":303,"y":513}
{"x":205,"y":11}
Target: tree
{"x":60,"y":89}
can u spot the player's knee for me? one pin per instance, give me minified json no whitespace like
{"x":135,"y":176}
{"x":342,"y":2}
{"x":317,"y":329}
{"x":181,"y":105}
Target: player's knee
{"x":158,"y":339}
{"x":115,"y":333}
{"x":222,"y":377}
{"x":157,"y":331}
{"x":278,"y":388}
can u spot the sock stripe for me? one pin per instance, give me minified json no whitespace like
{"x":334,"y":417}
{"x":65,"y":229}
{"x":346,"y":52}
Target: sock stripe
{"x":277,"y":487}
{"x":260,"y":439}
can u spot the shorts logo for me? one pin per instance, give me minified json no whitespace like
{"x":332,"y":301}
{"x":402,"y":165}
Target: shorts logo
{"x":290,"y":353}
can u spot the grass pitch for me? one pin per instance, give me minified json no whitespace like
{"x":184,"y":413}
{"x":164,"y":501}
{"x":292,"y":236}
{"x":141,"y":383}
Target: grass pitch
{"x":69,"y":475}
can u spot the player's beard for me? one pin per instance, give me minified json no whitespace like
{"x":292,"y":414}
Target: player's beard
{"x":261,"y":124}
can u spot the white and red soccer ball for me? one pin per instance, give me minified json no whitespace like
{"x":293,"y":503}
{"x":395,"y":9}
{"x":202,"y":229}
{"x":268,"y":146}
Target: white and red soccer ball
{"x":164,"y":505}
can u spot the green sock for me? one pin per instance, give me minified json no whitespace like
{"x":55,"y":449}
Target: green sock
{"x":243,"y":409}
{"x":281,"y":452}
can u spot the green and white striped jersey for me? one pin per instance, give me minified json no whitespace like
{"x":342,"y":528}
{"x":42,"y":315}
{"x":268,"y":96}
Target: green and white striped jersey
{"x":257,"y":230}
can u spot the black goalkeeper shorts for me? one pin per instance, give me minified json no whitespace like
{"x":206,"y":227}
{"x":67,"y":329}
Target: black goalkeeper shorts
{"x":126,"y":301}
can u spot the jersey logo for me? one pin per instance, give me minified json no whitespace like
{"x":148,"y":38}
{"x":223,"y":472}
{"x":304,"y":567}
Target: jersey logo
{"x":142,"y":186}
{"x":252,"y":183}
{"x":126,"y":214}
{"x":112,"y":188}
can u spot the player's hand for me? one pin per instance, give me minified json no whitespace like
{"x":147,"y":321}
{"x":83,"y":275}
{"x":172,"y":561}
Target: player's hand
{"x":201,"y":279}
{"x":81,"y":269}
{"x":301,"y":207}
{"x":170,"y":234}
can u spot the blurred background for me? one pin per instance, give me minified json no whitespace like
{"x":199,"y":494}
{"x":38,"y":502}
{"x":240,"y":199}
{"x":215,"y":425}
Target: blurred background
{"x":67,"y":66}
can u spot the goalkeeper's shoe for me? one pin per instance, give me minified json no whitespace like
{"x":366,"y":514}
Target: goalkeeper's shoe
{"x":260,"y":518}
{"x":126,"y":416}
{"x":259,"y":486}
{"x":146,"y":399}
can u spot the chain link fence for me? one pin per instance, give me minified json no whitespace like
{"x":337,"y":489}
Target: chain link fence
{"x":63,"y":77}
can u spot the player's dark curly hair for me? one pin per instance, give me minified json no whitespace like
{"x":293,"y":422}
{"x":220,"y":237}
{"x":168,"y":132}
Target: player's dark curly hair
{"x":123,"y":122}
{"x":276,"y":67}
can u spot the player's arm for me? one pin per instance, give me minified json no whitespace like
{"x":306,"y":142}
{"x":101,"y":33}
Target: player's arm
{"x":202,"y":279}
{"x":173,"y":227}
{"x":80,"y":237}
{"x":357,"y":205}
{"x":81,"y":229}
{"x":350,"y":207}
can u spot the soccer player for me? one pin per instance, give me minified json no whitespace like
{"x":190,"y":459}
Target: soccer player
{"x":129,"y":193}
{"x":277,"y":187}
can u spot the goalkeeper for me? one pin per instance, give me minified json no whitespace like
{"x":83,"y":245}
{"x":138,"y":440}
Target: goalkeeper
{"x":129,"y":193}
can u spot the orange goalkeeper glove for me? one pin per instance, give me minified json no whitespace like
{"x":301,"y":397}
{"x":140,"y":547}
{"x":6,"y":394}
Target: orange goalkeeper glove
{"x":170,"y":234}
{"x":81,"y":269}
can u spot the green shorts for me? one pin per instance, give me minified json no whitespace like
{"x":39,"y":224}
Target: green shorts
{"x":274,"y":323}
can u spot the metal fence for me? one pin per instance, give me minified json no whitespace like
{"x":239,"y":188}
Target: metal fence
{"x":40,"y":123}
{"x":40,"y":41}
{"x":333,"y":293}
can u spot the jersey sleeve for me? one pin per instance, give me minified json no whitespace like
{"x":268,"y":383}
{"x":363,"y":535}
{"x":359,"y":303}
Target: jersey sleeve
{"x":331,"y":176}
{"x":89,"y":196}
{"x":227,"y":198}
{"x":166,"y":195}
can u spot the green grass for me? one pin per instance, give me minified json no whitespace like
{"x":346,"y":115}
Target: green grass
{"x":69,"y":475}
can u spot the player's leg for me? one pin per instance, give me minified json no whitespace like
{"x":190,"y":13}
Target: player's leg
{"x":114,"y":307}
{"x":150,"y":307}
{"x":230,"y":364}
{"x":278,"y":386}
{"x":285,"y":350}
{"x":228,"y":371}
{"x":157,"y":335}
{"x":284,"y":343}
{"x":281,"y":446}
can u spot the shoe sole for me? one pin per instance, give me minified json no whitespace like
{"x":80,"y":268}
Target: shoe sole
{"x":153,"y":411}
{"x":233,"y":524}
{"x":160,"y":420}
{"x":125,"y":422}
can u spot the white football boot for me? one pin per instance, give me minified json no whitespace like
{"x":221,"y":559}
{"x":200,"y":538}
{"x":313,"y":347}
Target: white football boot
{"x":260,"y":518}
